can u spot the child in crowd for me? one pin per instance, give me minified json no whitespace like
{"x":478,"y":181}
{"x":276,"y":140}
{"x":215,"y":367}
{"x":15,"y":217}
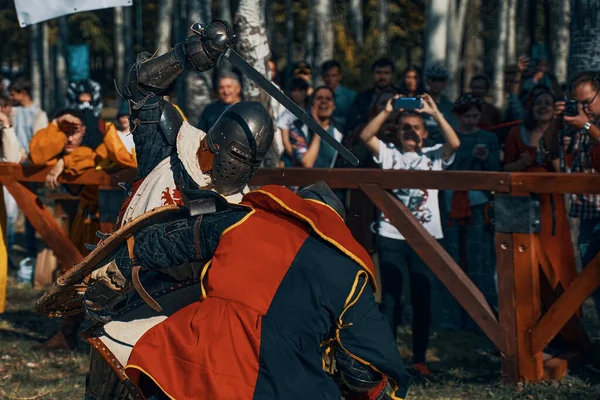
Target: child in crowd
{"x":406,"y":153}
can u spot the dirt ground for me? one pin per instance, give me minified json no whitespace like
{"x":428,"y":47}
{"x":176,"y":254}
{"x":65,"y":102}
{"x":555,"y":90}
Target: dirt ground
{"x":465,"y":365}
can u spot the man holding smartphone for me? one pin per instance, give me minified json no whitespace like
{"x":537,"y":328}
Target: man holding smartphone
{"x":395,"y":255}
{"x":583,"y":132}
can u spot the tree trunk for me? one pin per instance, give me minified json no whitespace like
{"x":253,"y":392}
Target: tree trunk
{"x":437,"y":31}
{"x":523,"y":39}
{"x":35,"y":66}
{"x":456,"y":29}
{"x":533,"y":19}
{"x":48,"y":76}
{"x":163,"y":28}
{"x":289,"y":34}
{"x":270,"y":22}
{"x":473,"y":54}
{"x":128,"y":37}
{"x":224,"y":10}
{"x":61,"y":61}
{"x":585,"y":37}
{"x":549,"y":30}
{"x":252,"y":45}
{"x":498,"y":81}
{"x":561,"y":49}
{"x":309,"y":55}
{"x":119,"y":39}
{"x":356,"y":21}
{"x":198,"y":85}
{"x":324,"y":42}
{"x":382,"y":24}
{"x":511,"y":39}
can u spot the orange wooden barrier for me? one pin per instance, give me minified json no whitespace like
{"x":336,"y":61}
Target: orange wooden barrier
{"x":520,"y":332}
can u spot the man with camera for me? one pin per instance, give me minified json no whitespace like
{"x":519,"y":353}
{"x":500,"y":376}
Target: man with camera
{"x":574,"y":140}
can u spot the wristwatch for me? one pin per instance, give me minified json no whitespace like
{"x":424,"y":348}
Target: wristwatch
{"x":587,"y":125}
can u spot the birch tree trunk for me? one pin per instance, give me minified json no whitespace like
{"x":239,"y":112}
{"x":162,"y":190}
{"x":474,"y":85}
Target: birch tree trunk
{"x":511,"y":35}
{"x":163,"y":28}
{"x":382,"y":24}
{"x":198,"y":85}
{"x":35,"y":67}
{"x":324,"y":37}
{"x":252,"y":45}
{"x":61,"y":61}
{"x":585,"y":36}
{"x":119,"y":39}
{"x":437,"y":31}
{"x":500,"y":62}
{"x":456,"y":29}
{"x":562,"y":42}
{"x":356,"y":21}
{"x":48,"y":76}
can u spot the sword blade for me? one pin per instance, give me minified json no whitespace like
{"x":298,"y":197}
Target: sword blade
{"x":266,"y":85}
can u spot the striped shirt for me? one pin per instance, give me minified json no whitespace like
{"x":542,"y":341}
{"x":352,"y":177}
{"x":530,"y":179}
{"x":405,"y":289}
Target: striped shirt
{"x":584,"y":206}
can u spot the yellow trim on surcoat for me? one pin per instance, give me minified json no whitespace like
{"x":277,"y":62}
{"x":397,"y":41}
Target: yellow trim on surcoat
{"x":133,"y":366}
{"x":322,"y":235}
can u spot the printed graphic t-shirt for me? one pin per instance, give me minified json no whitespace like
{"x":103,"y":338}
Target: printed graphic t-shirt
{"x":423,"y":203}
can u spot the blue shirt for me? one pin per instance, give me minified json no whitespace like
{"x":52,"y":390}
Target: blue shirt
{"x":344,"y":98}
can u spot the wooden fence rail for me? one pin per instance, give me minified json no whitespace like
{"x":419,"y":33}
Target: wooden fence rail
{"x":520,"y":331}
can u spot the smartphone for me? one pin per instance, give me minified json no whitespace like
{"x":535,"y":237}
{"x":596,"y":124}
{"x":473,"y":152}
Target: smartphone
{"x":413,"y":103}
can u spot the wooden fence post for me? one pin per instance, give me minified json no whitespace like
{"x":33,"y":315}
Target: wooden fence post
{"x":516,"y":220}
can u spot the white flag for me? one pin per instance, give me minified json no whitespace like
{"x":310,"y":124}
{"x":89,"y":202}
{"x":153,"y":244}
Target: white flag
{"x":34,"y":11}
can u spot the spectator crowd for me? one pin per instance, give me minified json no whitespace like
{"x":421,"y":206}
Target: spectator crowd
{"x":533,"y":133}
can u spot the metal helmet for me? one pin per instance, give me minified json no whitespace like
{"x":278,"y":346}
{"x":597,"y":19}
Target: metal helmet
{"x":320,"y":191}
{"x":239,"y":141}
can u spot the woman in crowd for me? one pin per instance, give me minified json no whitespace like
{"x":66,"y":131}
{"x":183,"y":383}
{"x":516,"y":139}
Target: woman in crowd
{"x":467,"y":230}
{"x":412,"y":84}
{"x":520,"y":155}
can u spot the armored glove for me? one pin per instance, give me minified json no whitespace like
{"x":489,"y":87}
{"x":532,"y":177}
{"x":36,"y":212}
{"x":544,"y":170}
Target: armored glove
{"x":203,"y":49}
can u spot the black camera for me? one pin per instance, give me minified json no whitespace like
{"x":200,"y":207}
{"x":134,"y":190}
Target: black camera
{"x":571,"y":108}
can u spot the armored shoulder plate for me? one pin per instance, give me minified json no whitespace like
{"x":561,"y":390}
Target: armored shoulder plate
{"x":171,"y":120}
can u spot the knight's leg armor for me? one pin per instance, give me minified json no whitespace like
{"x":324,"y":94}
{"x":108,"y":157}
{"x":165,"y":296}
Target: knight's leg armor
{"x":101,"y":382}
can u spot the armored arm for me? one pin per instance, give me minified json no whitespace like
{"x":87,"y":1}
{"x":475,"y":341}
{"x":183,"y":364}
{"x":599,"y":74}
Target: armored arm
{"x":155,"y":75}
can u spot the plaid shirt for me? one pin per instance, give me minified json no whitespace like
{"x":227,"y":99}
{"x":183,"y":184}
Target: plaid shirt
{"x":584,"y":206}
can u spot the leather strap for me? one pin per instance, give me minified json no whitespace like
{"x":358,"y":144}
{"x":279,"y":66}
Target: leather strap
{"x":135,"y":278}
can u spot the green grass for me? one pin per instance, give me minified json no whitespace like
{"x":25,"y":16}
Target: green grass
{"x":465,"y":365}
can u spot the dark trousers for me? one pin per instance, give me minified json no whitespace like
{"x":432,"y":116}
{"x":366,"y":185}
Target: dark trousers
{"x":395,"y":257}
{"x":589,"y":247}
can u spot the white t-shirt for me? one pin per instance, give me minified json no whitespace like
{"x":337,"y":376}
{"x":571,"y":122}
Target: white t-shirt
{"x":422,"y":203}
{"x":285,"y":120}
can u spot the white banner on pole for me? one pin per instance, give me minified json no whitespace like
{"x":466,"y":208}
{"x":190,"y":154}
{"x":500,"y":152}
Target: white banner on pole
{"x":33,"y":11}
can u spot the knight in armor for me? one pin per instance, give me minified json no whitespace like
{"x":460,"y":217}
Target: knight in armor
{"x":286,"y":304}
{"x":174,"y":158}
{"x":171,"y":153}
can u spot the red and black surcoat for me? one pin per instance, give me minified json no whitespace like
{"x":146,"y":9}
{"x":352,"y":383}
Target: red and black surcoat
{"x":284,"y":286}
